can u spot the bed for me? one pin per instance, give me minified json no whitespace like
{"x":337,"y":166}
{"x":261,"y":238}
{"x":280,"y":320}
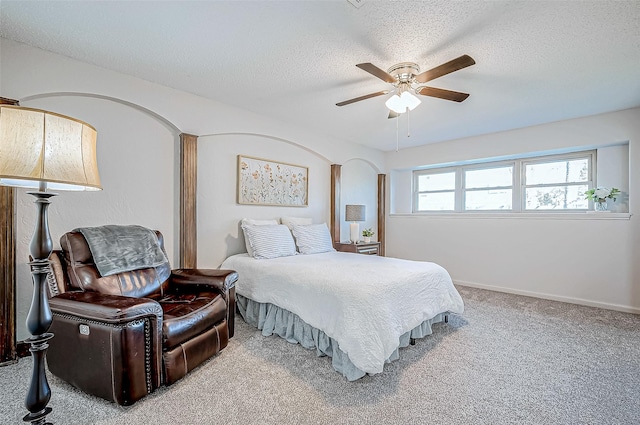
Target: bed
{"x":358,"y":309}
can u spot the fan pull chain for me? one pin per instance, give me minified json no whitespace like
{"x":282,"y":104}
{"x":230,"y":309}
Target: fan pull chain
{"x":408,"y":123}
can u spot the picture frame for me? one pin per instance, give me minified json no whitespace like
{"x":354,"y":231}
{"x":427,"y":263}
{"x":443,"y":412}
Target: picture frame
{"x":267,"y":182}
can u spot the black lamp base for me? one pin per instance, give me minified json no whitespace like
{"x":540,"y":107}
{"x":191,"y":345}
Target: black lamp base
{"x":38,"y":418}
{"x":39,"y":318}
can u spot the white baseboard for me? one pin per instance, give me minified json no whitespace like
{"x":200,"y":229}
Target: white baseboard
{"x":580,"y":301}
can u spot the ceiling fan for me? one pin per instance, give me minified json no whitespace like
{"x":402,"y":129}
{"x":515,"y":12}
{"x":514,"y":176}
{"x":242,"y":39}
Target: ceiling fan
{"x":404,"y":76}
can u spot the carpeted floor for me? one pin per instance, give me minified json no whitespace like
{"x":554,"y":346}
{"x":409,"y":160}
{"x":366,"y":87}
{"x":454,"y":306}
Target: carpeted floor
{"x":507,"y":360}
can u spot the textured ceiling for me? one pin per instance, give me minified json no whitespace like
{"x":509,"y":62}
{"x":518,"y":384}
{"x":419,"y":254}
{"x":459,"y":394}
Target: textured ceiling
{"x":536,"y":61}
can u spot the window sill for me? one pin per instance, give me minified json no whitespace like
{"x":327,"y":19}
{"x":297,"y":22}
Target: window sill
{"x":586,"y":215}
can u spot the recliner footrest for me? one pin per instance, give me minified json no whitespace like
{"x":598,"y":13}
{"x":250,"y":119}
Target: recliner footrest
{"x":181,"y":359}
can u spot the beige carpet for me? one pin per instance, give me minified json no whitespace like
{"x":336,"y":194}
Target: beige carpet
{"x":507,"y":360}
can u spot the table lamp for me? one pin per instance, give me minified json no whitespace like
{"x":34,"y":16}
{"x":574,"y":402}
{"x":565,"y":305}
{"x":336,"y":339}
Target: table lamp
{"x":354,"y":214}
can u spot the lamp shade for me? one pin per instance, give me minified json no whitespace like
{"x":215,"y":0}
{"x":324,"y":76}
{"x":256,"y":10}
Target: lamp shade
{"x":409,"y":100}
{"x":38,"y":146}
{"x":355,"y":213}
{"x":395,"y":104}
{"x":400,"y":103}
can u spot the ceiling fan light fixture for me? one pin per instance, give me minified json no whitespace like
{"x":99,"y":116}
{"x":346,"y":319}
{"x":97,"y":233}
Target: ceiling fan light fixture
{"x":399,"y":104}
{"x":396,"y":105}
{"x":409,"y":100}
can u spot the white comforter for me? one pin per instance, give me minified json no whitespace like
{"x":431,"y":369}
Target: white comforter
{"x":363,"y":302}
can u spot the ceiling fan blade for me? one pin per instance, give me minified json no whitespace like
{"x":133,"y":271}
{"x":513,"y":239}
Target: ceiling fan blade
{"x":393,"y":114}
{"x":377,"y":72}
{"x":446,"y":68}
{"x":456,"y":96}
{"x":358,"y":99}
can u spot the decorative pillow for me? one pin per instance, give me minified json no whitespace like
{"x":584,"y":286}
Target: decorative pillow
{"x":295,"y":221}
{"x":251,"y":222}
{"x":313,"y":239}
{"x":270,"y":240}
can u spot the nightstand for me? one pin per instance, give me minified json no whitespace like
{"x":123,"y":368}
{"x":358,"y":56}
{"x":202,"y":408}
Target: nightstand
{"x":368,"y":248}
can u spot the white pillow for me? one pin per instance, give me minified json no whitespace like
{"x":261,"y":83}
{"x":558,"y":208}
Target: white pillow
{"x":313,"y":239}
{"x":295,"y":221}
{"x":270,"y":240}
{"x":251,"y":222}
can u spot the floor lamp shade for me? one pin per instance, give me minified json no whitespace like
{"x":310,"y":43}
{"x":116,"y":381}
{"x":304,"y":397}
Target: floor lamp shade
{"x":354,"y":213}
{"x":44,"y":150}
{"x":44,"y":147}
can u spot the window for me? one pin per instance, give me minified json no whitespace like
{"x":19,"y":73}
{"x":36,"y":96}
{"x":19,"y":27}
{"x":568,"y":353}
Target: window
{"x":554,"y":183}
{"x":436,"y":191}
{"x":488,"y":188}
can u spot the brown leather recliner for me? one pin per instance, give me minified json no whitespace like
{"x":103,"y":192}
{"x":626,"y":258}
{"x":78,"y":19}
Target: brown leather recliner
{"x":122,"y":336}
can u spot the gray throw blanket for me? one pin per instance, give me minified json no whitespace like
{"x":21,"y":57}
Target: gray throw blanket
{"x":117,"y":249}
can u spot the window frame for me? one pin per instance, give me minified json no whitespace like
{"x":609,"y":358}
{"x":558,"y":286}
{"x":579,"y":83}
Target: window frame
{"x":417,"y":192}
{"x":591,"y":177}
{"x":518,"y":188}
{"x":487,"y":166}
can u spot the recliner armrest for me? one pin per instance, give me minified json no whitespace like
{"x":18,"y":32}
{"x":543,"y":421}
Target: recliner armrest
{"x":105,"y":308}
{"x":197,"y":279}
{"x":220,"y":280}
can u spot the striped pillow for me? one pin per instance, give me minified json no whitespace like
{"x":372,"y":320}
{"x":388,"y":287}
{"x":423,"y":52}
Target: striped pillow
{"x":251,"y":222}
{"x":270,"y":241}
{"x":313,"y":239}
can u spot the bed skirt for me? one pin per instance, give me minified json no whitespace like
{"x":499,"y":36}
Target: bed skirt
{"x":271,"y":319}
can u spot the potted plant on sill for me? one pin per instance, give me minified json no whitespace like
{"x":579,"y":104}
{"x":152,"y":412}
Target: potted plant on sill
{"x":599,"y":196}
{"x":367,"y":233}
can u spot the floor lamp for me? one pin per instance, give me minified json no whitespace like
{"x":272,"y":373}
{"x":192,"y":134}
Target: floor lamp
{"x":43,"y":150}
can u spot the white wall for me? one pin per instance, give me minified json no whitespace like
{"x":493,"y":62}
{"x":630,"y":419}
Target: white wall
{"x":219,"y":214}
{"x":613,"y":171}
{"x":356,"y":181}
{"x":587,"y":258}
{"x":138,"y":123}
{"x":219,"y":234}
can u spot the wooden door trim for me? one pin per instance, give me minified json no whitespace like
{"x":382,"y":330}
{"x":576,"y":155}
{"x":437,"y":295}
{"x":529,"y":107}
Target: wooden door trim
{"x":336,"y":176}
{"x":382,"y":202}
{"x":7,"y":269}
{"x":188,"y":195}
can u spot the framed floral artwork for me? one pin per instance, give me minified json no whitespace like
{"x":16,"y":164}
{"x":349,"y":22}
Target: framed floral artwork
{"x":266,"y":182}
